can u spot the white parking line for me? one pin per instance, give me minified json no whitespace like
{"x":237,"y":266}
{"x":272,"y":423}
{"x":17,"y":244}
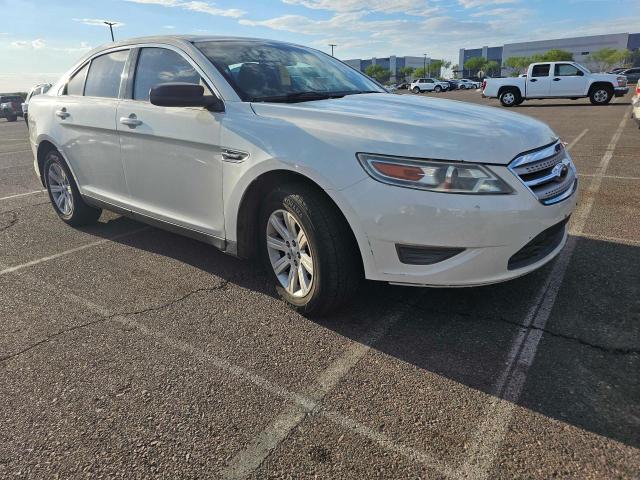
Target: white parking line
{"x":15,"y":268}
{"x":622,"y":241}
{"x":488,"y":439}
{"x":248,"y":460}
{"x":577,"y":139}
{"x":22,"y":194}
{"x":615,"y":177}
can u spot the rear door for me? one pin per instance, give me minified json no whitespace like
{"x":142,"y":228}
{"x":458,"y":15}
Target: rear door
{"x":85,"y":127}
{"x":568,"y":80}
{"x":539,"y":81}
{"x":171,"y":155}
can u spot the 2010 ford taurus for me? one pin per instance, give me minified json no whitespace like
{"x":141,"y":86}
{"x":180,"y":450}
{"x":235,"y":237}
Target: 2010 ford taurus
{"x":272,"y":150}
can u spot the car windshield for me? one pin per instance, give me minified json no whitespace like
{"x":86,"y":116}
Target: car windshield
{"x":277,"y":72}
{"x":586,"y":70}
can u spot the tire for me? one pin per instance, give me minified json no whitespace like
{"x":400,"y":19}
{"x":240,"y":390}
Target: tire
{"x":509,"y":98}
{"x":415,"y":90}
{"x":12,"y":118}
{"x":438,"y":89}
{"x":60,"y":183}
{"x":601,"y":95}
{"x":329,"y":249}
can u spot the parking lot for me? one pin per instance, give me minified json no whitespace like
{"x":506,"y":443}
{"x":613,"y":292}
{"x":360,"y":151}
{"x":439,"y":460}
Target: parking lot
{"x":127,"y":351}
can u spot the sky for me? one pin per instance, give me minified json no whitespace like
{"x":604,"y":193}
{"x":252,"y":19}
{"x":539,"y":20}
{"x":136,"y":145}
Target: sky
{"x":40,"y":40}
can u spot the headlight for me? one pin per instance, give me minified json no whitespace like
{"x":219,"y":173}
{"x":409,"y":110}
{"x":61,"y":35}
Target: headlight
{"x":436,"y":176}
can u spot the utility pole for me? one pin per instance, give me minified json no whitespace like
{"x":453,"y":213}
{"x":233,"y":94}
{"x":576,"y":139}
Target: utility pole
{"x":424,"y":64}
{"x":332,"y":45}
{"x":111,"y":24}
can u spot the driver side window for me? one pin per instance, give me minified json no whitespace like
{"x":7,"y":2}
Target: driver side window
{"x":157,"y":66}
{"x":566,"y":70}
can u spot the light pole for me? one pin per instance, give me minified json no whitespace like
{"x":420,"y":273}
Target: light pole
{"x":424,"y":64}
{"x":111,"y":24}
{"x":332,"y":45}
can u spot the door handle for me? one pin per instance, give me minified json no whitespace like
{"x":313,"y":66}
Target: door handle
{"x":131,"y":121}
{"x":533,"y":80}
{"x":62,"y":113}
{"x":557,"y":79}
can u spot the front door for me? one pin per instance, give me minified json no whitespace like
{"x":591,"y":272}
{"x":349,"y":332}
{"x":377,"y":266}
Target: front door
{"x":538,"y":82}
{"x":567,"y":80}
{"x":171,"y":155}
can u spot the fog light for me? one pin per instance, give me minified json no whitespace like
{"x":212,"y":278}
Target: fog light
{"x":415,"y":255}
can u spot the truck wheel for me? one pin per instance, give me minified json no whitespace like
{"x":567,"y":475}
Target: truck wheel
{"x":64,"y":194}
{"x":309,"y":250}
{"x":601,"y":95}
{"x":509,"y":98}
{"x":415,"y":90}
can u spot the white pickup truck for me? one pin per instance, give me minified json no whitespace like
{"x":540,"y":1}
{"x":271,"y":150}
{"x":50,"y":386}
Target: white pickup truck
{"x":556,"y":80}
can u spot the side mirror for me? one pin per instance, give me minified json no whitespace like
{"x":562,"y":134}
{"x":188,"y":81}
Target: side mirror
{"x":580,"y":73}
{"x":184,"y":95}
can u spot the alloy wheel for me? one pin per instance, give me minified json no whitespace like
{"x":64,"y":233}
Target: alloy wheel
{"x":60,"y":189}
{"x":290,"y":253}
{"x":601,"y":96}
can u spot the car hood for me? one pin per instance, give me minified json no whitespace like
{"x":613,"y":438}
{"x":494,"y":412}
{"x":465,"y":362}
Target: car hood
{"x":412,"y":126}
{"x":609,"y":77}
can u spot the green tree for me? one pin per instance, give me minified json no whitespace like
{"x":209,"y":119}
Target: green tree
{"x":378,"y":72}
{"x":406,"y":72}
{"x":554,"y":55}
{"x":419,"y":72}
{"x":517,"y":64}
{"x":492,"y":68}
{"x":475,"y":64}
{"x":606,"y":58}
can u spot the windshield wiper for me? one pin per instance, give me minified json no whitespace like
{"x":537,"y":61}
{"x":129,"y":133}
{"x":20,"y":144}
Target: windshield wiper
{"x":359,"y":92}
{"x":300,"y":97}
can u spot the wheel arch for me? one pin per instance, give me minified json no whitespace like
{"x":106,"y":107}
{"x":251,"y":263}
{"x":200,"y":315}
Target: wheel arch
{"x":600,"y":84}
{"x":505,"y":88}
{"x":45,"y":145}
{"x":247,"y":213}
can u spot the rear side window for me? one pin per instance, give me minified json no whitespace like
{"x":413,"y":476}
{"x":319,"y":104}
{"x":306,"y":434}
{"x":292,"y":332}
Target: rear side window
{"x":105,"y":72}
{"x":541,"y":70}
{"x":566,"y":70}
{"x":157,"y":66}
{"x":75,"y":85}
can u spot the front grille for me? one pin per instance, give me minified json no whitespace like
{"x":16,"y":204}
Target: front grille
{"x":548,"y":173}
{"x":538,"y":248}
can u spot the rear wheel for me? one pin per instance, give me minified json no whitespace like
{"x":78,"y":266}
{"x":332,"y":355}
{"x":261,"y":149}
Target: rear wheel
{"x":64,"y":194}
{"x":509,"y":98}
{"x":307,"y":246}
{"x":601,"y":95}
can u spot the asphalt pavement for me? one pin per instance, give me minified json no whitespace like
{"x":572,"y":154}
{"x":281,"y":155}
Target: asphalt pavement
{"x":130,"y":352}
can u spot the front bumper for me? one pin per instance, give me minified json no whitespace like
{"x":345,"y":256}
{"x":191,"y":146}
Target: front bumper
{"x":620,"y":91}
{"x":490,"y":228}
{"x":636,"y":108}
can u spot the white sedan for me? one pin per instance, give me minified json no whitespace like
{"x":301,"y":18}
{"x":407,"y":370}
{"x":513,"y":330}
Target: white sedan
{"x":465,"y":83}
{"x":276,"y":151}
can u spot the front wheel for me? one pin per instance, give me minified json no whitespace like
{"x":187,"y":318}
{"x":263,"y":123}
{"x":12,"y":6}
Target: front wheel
{"x":415,"y":90}
{"x":438,"y":89}
{"x":309,"y":250}
{"x":601,"y":95}
{"x":64,"y":194}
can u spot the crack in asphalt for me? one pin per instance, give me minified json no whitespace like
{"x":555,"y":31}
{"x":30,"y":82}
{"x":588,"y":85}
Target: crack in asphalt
{"x":13,"y":219}
{"x":223,"y":285}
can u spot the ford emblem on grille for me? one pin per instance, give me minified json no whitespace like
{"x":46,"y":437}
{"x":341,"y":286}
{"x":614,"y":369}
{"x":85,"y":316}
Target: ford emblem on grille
{"x":560,"y":171}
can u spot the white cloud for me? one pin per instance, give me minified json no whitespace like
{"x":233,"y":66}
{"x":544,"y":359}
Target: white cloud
{"x":409,"y":7}
{"x":36,"y":44}
{"x":484,"y":3}
{"x":169,"y":27}
{"x":97,"y":22}
{"x":195,"y":6}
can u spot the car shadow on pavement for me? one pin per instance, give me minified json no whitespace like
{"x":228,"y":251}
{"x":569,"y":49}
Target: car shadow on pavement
{"x":552,"y":105}
{"x":585,"y":372}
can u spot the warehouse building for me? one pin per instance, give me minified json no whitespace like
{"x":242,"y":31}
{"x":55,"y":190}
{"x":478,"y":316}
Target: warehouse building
{"x":580,"y":47}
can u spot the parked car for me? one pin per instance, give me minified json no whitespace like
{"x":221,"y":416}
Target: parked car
{"x":635,"y":101}
{"x":271,"y":150}
{"x":37,"y":90}
{"x":465,"y":83}
{"x":617,"y":70}
{"x":403,"y":86}
{"x":556,"y":80}
{"x":428,"y":85}
{"x":632,"y":74}
{"x":453,"y":84}
{"x":10,"y":107}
